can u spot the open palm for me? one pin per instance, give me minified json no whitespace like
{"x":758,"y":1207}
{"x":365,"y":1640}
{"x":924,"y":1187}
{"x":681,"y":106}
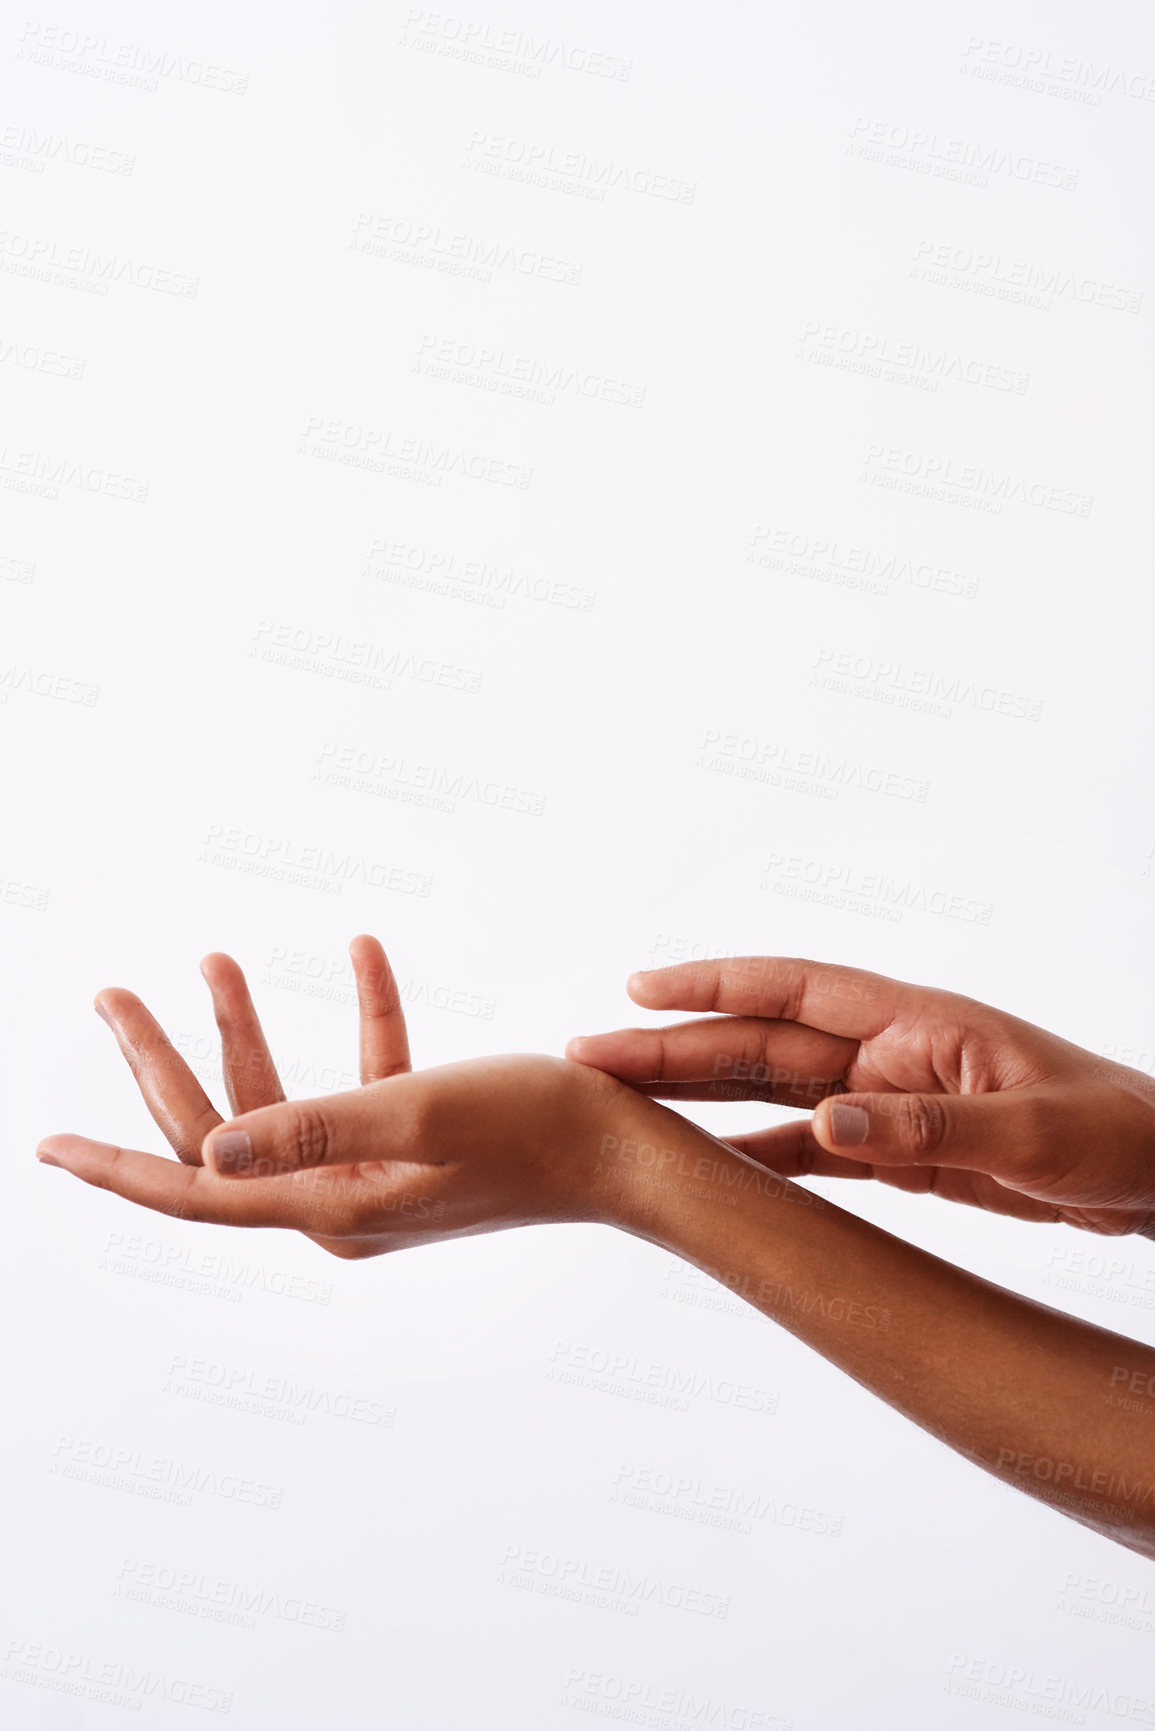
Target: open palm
{"x":410,"y":1157}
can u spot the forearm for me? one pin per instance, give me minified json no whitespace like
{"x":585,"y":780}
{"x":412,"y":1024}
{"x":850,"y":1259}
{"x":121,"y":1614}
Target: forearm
{"x":1052,"y":1405}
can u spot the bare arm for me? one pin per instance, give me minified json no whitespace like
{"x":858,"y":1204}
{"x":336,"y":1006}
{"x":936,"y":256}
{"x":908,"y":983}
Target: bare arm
{"x":1056,"y":1407}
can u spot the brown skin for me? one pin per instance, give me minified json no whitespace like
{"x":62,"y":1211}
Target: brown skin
{"x":962,"y":1100}
{"x":1045,"y":1402}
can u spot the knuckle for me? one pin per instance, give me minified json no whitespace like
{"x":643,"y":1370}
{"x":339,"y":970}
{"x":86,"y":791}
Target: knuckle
{"x":307,"y":1139}
{"x":921,"y":1123}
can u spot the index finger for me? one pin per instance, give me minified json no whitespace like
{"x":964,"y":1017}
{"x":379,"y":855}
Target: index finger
{"x":179,"y":1106}
{"x":846,"y":1001}
{"x":737,"y":1057}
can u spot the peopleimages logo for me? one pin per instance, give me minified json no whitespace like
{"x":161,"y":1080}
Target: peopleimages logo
{"x":945,"y":478}
{"x":1016,"y":280}
{"x":285,"y":860}
{"x":133,"y":63}
{"x":497,"y":152}
{"x":1047,"y":1695}
{"x":816,"y":772}
{"x":31,"y":358}
{"x":370,"y":771}
{"x":833,"y":883}
{"x":611,"y":1695}
{"x":505,"y":49}
{"x":160,"y":1477}
{"x":901,"y":361}
{"x":444,"y":571}
{"x":605,"y":1585}
{"x":684,"y":1497}
{"x":40,"y":473}
{"x":827,"y":559}
{"x":36,"y":255}
{"x":381,"y":451}
{"x":24,"y":147}
{"x":650,"y":1380}
{"x":952,"y":158}
{"x":173,"y":1264}
{"x":489,"y":367}
{"x":891,"y":681}
{"x":110,"y":1681}
{"x":423,"y":243}
{"x":218,"y":1598}
{"x":1032,"y":67}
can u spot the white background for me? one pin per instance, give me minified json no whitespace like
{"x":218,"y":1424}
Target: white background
{"x":802,"y":275}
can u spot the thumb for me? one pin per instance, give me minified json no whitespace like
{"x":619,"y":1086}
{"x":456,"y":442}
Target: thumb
{"x":297,"y":1134}
{"x":1002,"y":1134}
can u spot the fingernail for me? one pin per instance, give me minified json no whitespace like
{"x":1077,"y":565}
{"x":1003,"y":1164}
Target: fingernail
{"x":232,"y":1152}
{"x":849,"y":1125}
{"x":46,"y":1159}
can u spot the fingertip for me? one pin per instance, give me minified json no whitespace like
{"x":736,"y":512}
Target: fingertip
{"x":105,"y":1001}
{"x":65,"y":1149}
{"x":365,"y":941}
{"x":655,"y":987}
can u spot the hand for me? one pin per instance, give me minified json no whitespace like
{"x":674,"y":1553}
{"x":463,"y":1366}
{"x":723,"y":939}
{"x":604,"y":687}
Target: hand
{"x":406,"y":1159}
{"x":922,"y":1089}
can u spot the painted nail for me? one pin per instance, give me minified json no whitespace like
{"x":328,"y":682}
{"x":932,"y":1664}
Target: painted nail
{"x":232,"y":1152}
{"x":849,"y":1125}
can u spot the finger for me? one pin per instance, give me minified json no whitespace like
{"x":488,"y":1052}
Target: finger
{"x":250,"y":1074}
{"x":180,"y":1108}
{"x":733,"y":1057}
{"x":845,"y":1001}
{"x":1018,"y":1137}
{"x":1080,"y":1148}
{"x":793,"y":1151}
{"x":976,"y":1131}
{"x":185,"y":1192}
{"x":384,"y":1040}
{"x":728,"y":1092}
{"x":379,"y":1122}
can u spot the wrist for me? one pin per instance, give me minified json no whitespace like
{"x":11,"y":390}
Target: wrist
{"x":660,"y":1177}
